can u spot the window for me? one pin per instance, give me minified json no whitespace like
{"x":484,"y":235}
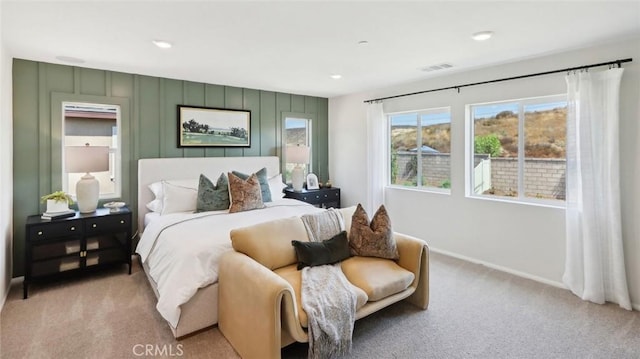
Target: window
{"x":420,"y":149}
{"x":297,"y":132}
{"x":95,"y":125}
{"x":519,"y":149}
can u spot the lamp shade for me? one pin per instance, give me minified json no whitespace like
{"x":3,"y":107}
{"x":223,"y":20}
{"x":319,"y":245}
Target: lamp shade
{"x":298,"y":154}
{"x":85,"y":159}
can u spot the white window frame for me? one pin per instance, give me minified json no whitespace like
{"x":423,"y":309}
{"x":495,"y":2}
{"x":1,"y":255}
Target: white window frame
{"x":115,"y":154}
{"x":419,"y":186}
{"x":309,"y":123}
{"x":470,"y":152}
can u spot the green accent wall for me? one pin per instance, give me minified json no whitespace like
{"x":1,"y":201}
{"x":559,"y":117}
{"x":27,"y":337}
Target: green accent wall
{"x":148,"y":126}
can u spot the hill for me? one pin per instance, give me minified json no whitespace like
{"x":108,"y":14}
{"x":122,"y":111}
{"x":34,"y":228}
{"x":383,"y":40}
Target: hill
{"x":545,"y":133}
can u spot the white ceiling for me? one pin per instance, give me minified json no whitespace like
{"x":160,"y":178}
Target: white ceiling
{"x":294,"y":46}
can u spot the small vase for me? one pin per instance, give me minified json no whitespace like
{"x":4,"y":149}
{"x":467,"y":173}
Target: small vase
{"x":54,"y":206}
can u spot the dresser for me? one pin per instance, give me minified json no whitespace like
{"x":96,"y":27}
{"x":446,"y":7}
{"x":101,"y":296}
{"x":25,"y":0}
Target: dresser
{"x":83,"y":243}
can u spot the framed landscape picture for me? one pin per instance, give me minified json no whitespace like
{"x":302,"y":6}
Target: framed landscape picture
{"x":213,"y":127}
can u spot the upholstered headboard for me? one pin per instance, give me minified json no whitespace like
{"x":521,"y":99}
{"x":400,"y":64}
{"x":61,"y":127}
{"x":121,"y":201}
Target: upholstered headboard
{"x":151,"y":170}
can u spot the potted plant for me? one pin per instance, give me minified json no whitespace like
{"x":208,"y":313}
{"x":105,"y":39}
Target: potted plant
{"x":57,"y":201}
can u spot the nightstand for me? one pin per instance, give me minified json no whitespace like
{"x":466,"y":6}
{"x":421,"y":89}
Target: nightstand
{"x":73,"y":245}
{"x":323,"y":197}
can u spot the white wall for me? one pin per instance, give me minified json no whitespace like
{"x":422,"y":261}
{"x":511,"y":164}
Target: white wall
{"x":524,"y":239}
{"x":6,"y":181}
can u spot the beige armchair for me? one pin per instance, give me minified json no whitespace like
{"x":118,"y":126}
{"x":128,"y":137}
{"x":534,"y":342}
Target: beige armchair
{"x":259,"y":296}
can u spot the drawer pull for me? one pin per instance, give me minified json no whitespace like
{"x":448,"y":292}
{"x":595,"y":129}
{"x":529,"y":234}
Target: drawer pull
{"x":325,"y":196}
{"x":39,"y":233}
{"x":121,"y":221}
{"x":94,"y":225}
{"x":73,"y":228}
{"x":317,"y":196}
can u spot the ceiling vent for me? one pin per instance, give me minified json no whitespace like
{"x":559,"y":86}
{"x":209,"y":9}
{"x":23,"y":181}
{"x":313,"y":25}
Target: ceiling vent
{"x":435,"y":67}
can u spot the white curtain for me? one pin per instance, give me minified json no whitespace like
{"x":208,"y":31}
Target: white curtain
{"x":376,"y":163}
{"x":594,"y":267}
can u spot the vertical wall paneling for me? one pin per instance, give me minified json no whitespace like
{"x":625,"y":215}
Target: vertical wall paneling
{"x":214,"y":97}
{"x":233,"y":99}
{"x":172,"y":98}
{"x":148,"y":132}
{"x":44,"y":129}
{"x":193,"y":95}
{"x":93,"y":82}
{"x":297,"y":103}
{"x":25,"y":163}
{"x":268,"y":128}
{"x":107,"y":83}
{"x":283,"y":104}
{"x":322,"y":144}
{"x":149,"y":125}
{"x":251,"y":102}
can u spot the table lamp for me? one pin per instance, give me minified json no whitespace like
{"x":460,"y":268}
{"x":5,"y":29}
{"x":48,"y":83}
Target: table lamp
{"x":85,"y":159}
{"x":298,"y":155}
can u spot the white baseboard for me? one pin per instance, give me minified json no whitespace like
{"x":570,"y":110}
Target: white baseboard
{"x":552,"y":283}
{"x":500,"y":268}
{"x":17,"y":280}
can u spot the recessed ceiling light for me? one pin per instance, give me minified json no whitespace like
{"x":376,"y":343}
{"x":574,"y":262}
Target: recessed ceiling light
{"x":70,"y":59}
{"x":336,"y":76}
{"x":162,"y":44}
{"x":482,"y":35}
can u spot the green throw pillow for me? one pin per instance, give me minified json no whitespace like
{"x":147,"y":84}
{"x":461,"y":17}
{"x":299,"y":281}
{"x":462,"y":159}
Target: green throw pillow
{"x":326,"y":252}
{"x":264,"y":182}
{"x":210,"y":197}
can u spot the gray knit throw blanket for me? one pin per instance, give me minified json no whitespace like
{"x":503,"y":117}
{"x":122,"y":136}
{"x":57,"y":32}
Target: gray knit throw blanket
{"x":323,"y":225}
{"x":330,"y":305}
{"x":326,"y":295}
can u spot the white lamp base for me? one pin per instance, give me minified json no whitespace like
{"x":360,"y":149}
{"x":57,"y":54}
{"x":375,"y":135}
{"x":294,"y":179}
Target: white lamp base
{"x":87,"y":191}
{"x":297,"y":178}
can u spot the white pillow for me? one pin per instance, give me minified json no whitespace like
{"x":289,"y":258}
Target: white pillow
{"x":157,"y":189}
{"x":178,"y":198}
{"x":276,"y":186}
{"x":156,"y":204}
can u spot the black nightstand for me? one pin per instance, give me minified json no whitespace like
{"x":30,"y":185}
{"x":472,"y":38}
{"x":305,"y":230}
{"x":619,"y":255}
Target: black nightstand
{"x":84,"y":242}
{"x":323,"y":197}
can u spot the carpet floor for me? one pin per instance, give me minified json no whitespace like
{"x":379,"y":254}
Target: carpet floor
{"x":474,"y":312}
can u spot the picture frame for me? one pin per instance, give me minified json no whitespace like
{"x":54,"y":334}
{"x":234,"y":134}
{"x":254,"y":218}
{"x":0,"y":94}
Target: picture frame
{"x":312,"y":181}
{"x":213,"y":127}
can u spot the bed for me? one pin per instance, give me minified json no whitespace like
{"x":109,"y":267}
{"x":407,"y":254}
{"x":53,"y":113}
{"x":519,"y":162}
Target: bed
{"x":179,"y":251}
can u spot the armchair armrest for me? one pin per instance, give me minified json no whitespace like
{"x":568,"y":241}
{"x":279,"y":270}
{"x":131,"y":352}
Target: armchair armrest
{"x":250,"y":298}
{"x":414,"y":257}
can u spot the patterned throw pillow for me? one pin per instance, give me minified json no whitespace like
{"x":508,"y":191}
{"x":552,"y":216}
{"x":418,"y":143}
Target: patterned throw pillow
{"x":213,"y":197}
{"x":373,"y":239}
{"x":245,"y":194}
{"x":264,"y":182}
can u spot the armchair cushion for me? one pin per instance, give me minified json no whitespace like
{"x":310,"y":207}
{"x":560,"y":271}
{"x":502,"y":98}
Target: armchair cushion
{"x":294,"y":276}
{"x":378,"y":277}
{"x":329,"y":251}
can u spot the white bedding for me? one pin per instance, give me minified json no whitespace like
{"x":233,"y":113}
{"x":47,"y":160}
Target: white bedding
{"x":182,"y":250}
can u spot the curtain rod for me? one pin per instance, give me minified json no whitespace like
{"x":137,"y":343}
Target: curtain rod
{"x":458,"y":87}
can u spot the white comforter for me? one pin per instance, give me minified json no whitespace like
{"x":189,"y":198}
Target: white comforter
{"x":182,"y":250}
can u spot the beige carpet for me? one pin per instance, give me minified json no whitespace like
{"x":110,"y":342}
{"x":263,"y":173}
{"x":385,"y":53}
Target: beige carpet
{"x":475,"y":312}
